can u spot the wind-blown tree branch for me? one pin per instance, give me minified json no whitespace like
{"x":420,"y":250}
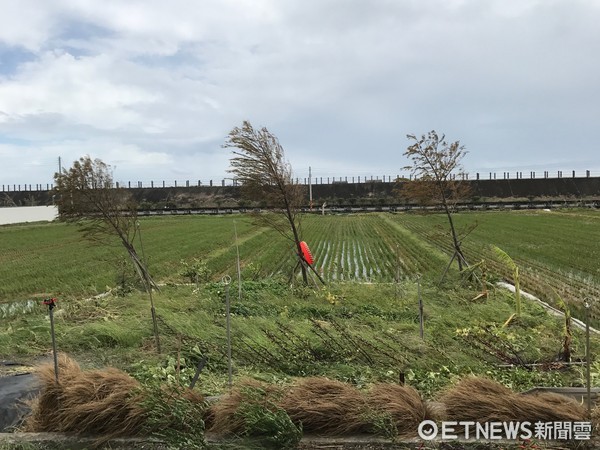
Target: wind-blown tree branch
{"x":436,"y":167}
{"x":260,"y":166}
{"x":86,"y":196}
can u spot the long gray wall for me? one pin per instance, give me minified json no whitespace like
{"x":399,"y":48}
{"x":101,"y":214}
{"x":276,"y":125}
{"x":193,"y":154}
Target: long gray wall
{"x":342,"y":193}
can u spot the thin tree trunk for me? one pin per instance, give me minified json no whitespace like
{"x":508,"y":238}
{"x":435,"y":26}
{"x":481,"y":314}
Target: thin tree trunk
{"x":290,"y":219}
{"x":457,"y":248}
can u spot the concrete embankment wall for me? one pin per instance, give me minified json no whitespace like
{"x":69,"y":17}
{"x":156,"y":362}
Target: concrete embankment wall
{"x":341,"y":192}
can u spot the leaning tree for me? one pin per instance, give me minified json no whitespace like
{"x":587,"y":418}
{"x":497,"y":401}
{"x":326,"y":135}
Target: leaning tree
{"x":438,"y":178}
{"x":259,"y":165}
{"x":86,"y":195}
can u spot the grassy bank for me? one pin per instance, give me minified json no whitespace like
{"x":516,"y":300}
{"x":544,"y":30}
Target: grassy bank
{"x":358,"y":333}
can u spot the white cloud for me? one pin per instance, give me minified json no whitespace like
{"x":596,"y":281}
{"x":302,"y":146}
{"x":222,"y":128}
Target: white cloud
{"x":161,"y":83}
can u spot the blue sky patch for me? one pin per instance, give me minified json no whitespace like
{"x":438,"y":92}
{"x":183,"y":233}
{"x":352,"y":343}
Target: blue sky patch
{"x":13,"y":57}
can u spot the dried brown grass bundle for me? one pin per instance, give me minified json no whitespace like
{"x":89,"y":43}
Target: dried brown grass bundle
{"x":326,"y":406}
{"x":552,"y":407}
{"x":222,"y":416}
{"x":95,"y":402}
{"x":437,"y":411}
{"x":403,"y":404}
{"x":483,"y":400}
{"x":596,"y":419}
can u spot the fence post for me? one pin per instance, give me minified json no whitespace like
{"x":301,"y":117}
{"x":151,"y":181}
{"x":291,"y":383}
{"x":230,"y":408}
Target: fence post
{"x":573,"y":174}
{"x":587,"y":173}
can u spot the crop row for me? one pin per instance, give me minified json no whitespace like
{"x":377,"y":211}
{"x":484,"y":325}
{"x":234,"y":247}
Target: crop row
{"x":345,"y":248}
{"x":554,"y":250}
{"x":554,"y":257}
{"x":360,"y":248}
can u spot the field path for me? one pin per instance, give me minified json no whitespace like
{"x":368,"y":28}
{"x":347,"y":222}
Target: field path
{"x":240,"y":241}
{"x":427,"y":253}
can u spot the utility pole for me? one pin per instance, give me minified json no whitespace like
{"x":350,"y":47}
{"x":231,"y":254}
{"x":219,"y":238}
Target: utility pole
{"x":310,"y":187}
{"x":59,"y":165}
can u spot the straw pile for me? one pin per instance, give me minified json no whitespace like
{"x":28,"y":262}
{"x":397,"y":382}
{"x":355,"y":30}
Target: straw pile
{"x":222,"y":416}
{"x":96,"y":402}
{"x":403,"y":404}
{"x":325,"y":406}
{"x":596,"y":420}
{"x":483,"y":400}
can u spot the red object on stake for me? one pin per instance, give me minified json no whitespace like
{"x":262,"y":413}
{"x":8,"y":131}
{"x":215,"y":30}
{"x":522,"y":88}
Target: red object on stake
{"x":308,"y":257}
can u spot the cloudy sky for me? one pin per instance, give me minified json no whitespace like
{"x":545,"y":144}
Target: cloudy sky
{"x":152,"y":87}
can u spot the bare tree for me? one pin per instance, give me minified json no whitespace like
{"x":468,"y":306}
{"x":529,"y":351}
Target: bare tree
{"x":86,"y":196}
{"x":439,"y":178}
{"x":259,"y":165}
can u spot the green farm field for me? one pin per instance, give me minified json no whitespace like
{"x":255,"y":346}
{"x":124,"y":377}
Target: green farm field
{"x":363,"y":327}
{"x":555,"y":251}
{"x":558,"y":252}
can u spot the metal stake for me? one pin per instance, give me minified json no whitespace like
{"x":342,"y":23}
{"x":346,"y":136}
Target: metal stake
{"x":421,"y":319}
{"x":51,"y":303}
{"x":226,"y":281}
{"x":587,"y":358}
{"x":239,"y":269}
